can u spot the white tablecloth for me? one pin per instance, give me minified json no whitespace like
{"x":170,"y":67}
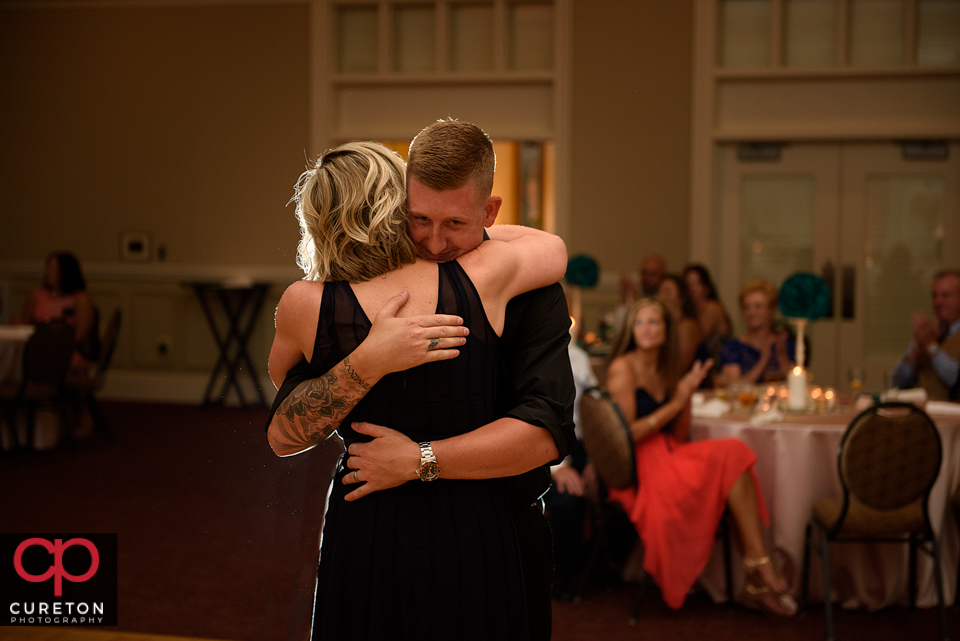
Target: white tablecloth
{"x":797,"y":466}
{"x":13,"y":339}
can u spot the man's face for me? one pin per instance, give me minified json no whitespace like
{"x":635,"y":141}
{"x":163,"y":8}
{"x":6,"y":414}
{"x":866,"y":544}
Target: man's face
{"x":445,"y":225}
{"x":651,"y":273}
{"x":946,"y":299}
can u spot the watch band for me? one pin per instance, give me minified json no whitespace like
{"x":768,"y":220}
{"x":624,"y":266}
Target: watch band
{"x":429,"y":469}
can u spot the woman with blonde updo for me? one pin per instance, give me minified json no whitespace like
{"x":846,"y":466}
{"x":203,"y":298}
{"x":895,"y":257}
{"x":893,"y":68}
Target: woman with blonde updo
{"x":761,"y":354}
{"x":398,"y":555}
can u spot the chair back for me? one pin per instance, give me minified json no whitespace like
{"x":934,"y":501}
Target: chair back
{"x":46,"y":356}
{"x":107,"y":346}
{"x":890,"y":456}
{"x":606,"y":437}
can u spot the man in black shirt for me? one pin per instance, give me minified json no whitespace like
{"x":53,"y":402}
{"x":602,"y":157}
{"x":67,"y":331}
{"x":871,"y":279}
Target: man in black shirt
{"x":538,"y":393}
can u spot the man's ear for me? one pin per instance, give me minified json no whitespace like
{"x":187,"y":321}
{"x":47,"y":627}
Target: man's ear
{"x":491,"y":209}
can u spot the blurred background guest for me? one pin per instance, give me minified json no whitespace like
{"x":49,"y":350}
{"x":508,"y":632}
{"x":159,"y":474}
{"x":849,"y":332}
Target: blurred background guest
{"x":653,"y":268}
{"x":674,"y":294}
{"x":574,"y":485}
{"x":933,"y":359}
{"x":762,"y":353}
{"x":715,"y":326}
{"x":684,"y":487}
{"x":64,"y":297}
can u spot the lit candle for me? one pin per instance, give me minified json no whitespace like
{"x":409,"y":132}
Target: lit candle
{"x":831,"y":397}
{"x":797,"y":386}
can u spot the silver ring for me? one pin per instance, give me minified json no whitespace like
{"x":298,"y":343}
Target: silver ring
{"x":434,"y":343}
{"x":355,"y":478}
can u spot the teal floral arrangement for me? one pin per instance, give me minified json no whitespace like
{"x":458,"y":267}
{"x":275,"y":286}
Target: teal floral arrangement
{"x":582,"y":271}
{"x":806,"y":296}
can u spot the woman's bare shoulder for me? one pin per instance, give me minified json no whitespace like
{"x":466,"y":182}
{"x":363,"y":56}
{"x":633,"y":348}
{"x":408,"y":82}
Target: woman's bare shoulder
{"x":299,"y":297}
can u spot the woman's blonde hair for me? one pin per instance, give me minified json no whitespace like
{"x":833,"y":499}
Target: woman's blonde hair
{"x":668,"y":359}
{"x":351,"y":209}
{"x":760,"y":285}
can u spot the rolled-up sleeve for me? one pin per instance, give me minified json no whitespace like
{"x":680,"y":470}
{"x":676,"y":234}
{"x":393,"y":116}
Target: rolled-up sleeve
{"x":533,"y":347}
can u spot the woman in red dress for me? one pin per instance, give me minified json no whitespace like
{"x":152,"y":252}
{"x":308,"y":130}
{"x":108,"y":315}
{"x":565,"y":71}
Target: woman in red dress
{"x":684,"y":487}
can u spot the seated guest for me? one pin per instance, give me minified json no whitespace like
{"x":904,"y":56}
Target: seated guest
{"x":933,"y":359}
{"x":683,"y":487}
{"x":652,"y":270}
{"x":673,"y":292}
{"x":64,"y":297}
{"x":653,"y":267}
{"x":713,"y":319}
{"x":760,"y":354}
{"x":574,"y":483}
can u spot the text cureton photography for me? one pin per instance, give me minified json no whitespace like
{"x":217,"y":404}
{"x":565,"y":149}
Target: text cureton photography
{"x":58,"y":579}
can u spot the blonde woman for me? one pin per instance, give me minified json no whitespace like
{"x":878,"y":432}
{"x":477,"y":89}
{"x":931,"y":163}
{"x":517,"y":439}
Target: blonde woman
{"x":761,"y":354}
{"x":683,"y":487}
{"x":420,"y":547}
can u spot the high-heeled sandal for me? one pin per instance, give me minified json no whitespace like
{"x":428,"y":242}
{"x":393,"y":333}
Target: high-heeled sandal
{"x":757,"y":588}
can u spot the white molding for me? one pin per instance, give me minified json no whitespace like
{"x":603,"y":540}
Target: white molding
{"x":444,"y":78}
{"x":136,"y":4}
{"x":163,"y":272}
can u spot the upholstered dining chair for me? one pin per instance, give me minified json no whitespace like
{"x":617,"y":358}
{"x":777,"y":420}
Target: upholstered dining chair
{"x":888,"y":460}
{"x":606,"y":437}
{"x":87,"y":385}
{"x":46,"y":358}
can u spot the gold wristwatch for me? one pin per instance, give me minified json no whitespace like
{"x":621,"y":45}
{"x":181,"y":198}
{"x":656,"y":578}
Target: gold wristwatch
{"x":429,"y":469}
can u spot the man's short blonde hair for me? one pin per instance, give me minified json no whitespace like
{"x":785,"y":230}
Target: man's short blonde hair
{"x":448,"y":154}
{"x":351,"y":209}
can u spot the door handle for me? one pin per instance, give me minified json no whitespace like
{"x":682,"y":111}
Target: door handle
{"x":830,"y":278}
{"x":848,"y":291}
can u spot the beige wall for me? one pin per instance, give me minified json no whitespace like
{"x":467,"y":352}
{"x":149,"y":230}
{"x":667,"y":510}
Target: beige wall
{"x":631,"y":131}
{"x":185,"y":122}
{"x":191,"y":122}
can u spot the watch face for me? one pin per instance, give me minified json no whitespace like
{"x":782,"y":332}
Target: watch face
{"x":429,"y":471}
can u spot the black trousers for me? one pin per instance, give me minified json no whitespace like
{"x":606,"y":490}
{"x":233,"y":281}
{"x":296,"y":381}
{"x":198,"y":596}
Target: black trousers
{"x":536,"y":554}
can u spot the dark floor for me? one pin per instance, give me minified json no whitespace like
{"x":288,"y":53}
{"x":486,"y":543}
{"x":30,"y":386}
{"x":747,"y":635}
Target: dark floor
{"x":215,"y":537}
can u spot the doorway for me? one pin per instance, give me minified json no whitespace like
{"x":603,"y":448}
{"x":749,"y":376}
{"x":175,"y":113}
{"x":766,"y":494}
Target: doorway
{"x":875,"y":219}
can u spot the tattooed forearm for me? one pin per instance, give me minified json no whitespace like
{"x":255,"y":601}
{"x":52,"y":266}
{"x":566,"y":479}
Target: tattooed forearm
{"x":352,"y":373}
{"x":315,"y":409}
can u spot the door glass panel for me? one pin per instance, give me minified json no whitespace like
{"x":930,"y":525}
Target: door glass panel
{"x":413,"y":38}
{"x":531,"y":36}
{"x":745,"y":33}
{"x":471,"y":37}
{"x":938,"y":31}
{"x":776,"y":226}
{"x":876,"y":32}
{"x":904,"y":220}
{"x":810,"y":33}
{"x":357,"y":39}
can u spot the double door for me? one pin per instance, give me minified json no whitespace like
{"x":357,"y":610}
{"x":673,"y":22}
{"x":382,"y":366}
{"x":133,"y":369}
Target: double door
{"x":875,"y":220}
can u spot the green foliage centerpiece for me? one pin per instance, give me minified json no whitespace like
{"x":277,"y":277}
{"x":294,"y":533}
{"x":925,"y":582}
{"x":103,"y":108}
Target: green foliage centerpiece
{"x":804,"y":298}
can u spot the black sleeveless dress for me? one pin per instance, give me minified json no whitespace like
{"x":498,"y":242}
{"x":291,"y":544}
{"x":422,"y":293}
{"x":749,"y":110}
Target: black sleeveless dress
{"x":436,"y":559}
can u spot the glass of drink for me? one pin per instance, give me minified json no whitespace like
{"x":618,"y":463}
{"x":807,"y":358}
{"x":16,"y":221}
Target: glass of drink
{"x":746,"y":395}
{"x":856,"y":379}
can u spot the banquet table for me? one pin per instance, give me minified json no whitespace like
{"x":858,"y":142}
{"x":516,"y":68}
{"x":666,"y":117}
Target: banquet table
{"x":796,"y":467}
{"x":13,"y":340}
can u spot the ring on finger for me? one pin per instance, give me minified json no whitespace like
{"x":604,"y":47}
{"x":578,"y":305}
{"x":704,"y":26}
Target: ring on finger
{"x":356,"y":479}
{"x":434,"y":343}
